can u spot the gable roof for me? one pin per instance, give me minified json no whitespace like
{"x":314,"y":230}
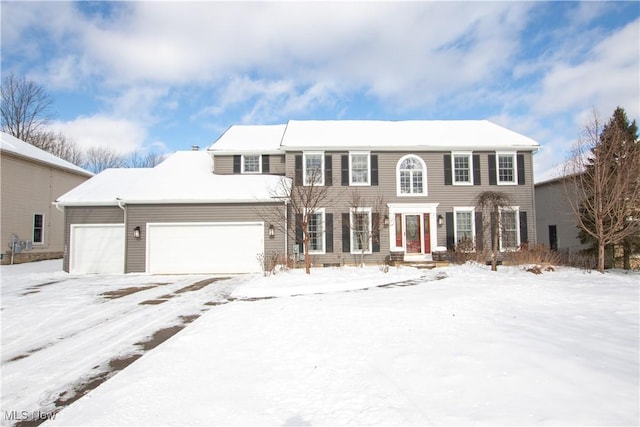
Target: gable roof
{"x":428,"y":135}
{"x":184,"y":177}
{"x":11,"y":144}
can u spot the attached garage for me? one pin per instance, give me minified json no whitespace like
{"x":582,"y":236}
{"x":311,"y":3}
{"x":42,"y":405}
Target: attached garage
{"x":97,"y":248}
{"x":214,"y":247}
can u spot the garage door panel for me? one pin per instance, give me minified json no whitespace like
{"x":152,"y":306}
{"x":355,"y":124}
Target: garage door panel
{"x":204,"y":247}
{"x":97,"y":248}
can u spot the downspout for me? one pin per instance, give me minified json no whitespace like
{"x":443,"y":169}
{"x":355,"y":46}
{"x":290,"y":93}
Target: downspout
{"x":286,"y":230}
{"x":122,"y":206}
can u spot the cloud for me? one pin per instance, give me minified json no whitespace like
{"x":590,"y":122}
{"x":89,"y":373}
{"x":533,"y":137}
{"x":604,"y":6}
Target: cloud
{"x":123,"y":136}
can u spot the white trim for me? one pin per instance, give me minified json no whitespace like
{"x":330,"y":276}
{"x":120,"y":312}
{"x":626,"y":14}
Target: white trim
{"x":469,"y":155}
{"x":361,"y":153}
{"x":513,"y":154}
{"x":465,"y":209}
{"x":516,"y":212}
{"x":425,"y":191}
{"x":324,"y":231}
{"x":304,"y":167}
{"x":33,"y":229}
{"x":242,"y":165}
{"x":352,"y":230}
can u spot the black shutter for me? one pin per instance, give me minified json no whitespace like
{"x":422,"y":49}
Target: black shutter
{"x":375,"y":240}
{"x":299,"y":236}
{"x":479,"y":232}
{"x":344,"y":168}
{"x":374,"y":169}
{"x":524,"y":235}
{"x":447,"y":170}
{"x":346,"y":233}
{"x":476,"y":169}
{"x":328,"y":224}
{"x":328,"y":170}
{"x":451,"y":243}
{"x":237,"y":161}
{"x":494,"y":225}
{"x":265,"y":163}
{"x":520,"y":163}
{"x":493,"y":173}
{"x":298,"y":169}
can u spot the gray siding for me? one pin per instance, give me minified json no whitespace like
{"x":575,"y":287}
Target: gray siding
{"x":447,"y":196}
{"x":140,"y":215}
{"x":87,"y":215}
{"x":223,"y":165}
{"x":553,"y":208}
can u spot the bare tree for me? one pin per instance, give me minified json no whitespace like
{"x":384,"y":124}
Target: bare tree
{"x":58,"y":145}
{"x":138,"y":159}
{"x":492,"y":205}
{"x":98,"y":159}
{"x":603,"y":183}
{"x":25,"y":107}
{"x":365,"y":226}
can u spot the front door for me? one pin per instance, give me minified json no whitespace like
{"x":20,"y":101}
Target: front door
{"x":412,"y":227}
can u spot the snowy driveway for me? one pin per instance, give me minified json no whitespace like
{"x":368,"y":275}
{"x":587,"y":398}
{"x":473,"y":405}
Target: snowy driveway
{"x":61,"y":331}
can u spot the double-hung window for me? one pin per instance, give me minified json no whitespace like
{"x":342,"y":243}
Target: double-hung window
{"x":360,"y":230}
{"x":464,"y":227}
{"x":313,"y":168}
{"x":509,"y":229}
{"x":411,"y":176}
{"x":506,"y":167}
{"x":315,"y":228}
{"x":251,"y":163}
{"x":359,"y":168}
{"x":38,"y":228}
{"x":462,"y":172}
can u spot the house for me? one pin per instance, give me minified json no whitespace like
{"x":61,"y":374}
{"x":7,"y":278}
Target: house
{"x":204,"y":211}
{"x":556,"y":224}
{"x":31,"y":228}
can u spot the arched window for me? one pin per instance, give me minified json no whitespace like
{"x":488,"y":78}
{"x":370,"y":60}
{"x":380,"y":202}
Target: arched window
{"x":412,"y":176}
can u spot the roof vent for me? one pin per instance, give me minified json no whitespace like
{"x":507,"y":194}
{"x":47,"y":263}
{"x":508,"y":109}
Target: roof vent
{"x":195,"y":148}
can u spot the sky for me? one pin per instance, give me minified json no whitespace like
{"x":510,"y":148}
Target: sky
{"x":163,"y":76}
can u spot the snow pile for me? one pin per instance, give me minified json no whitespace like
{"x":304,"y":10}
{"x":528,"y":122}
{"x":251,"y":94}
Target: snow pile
{"x":475,"y":348}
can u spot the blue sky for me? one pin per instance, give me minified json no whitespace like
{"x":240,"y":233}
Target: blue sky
{"x":164,"y":76}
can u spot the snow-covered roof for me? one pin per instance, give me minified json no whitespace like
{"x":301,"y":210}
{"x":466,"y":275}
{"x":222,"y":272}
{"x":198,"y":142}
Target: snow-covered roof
{"x":374,"y":134}
{"x":249,"y":138}
{"x":184,"y":177}
{"x":11,"y":144}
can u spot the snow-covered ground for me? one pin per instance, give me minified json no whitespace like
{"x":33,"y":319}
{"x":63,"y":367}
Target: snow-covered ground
{"x":457,"y":346}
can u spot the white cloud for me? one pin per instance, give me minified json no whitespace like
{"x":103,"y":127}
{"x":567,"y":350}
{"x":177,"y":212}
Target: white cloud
{"x":123,"y":136}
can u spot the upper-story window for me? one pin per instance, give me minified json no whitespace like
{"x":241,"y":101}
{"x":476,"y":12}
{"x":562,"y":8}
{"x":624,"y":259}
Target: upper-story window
{"x":411,"y":176}
{"x":359,"y":168}
{"x":313,"y":168}
{"x":462,"y":172}
{"x":251,"y":163}
{"x":506,"y":167}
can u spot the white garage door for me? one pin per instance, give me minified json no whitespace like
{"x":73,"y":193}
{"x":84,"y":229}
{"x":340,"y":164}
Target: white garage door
{"x":97,"y":248}
{"x":204,"y":247}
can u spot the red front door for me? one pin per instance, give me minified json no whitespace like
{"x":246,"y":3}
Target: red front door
{"x":413,"y":234}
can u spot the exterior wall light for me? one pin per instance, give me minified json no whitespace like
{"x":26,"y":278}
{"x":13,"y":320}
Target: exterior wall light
{"x":272,"y":231}
{"x":440,"y":220}
{"x":386,"y":220}
{"x":136,"y":232}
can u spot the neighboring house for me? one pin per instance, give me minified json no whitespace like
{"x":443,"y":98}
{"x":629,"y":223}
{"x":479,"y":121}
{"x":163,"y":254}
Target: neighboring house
{"x":205,"y":211}
{"x":31,"y":228}
{"x":556,"y":223}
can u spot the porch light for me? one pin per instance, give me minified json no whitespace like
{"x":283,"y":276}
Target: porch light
{"x":136,"y":232}
{"x":386,"y":220}
{"x":440,"y":220}
{"x":272,"y":231}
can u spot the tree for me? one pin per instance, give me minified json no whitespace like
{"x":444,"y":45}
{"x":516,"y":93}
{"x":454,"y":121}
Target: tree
{"x":365,"y":226}
{"x":58,"y":145}
{"x":24,"y":108}
{"x":603,"y":182}
{"x":139,"y":160}
{"x":98,"y":159}
{"x":492,"y":205}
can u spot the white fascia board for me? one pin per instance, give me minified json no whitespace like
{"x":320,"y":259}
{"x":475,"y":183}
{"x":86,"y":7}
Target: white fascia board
{"x":244,"y":152}
{"x":411,"y":148}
